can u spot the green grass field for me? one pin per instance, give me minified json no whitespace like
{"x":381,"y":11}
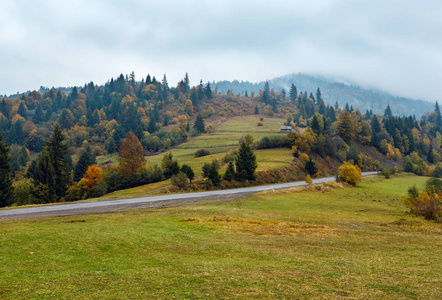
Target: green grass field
{"x":226,"y":137}
{"x":355,"y":243}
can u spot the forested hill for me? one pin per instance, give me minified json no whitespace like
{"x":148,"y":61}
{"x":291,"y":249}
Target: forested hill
{"x":333,"y":91}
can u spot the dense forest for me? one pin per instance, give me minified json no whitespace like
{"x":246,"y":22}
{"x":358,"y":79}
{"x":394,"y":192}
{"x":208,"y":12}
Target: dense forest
{"x":54,"y":137}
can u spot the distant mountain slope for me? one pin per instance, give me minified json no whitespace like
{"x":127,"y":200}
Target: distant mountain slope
{"x":333,"y":91}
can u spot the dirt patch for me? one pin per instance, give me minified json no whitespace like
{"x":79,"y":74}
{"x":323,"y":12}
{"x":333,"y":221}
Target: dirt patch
{"x":266,"y":227}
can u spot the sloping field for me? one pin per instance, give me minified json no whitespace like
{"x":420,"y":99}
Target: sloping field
{"x":355,"y":243}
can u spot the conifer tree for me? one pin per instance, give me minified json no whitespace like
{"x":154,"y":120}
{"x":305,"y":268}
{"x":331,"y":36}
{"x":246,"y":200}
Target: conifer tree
{"x":58,"y":152}
{"x":293,"y":93}
{"x":213,"y":174}
{"x":245,"y":163}
{"x":387,"y":112}
{"x":45,"y":180}
{"x":86,"y":159}
{"x":311,"y":167}
{"x":230,"y":172}
{"x":266,"y":93}
{"x":208,"y":91}
{"x":318,"y":95}
{"x":199,"y":124}
{"x":5,"y":175}
{"x":188,"y":171}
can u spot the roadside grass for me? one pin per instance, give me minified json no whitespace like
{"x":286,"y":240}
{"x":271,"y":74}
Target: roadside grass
{"x":355,"y":243}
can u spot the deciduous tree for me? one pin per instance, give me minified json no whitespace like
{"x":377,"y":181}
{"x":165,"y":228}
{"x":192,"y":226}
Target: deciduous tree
{"x":130,"y":156}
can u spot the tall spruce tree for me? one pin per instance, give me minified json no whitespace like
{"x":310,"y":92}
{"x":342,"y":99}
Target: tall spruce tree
{"x":58,"y":152}
{"x":45,"y":181}
{"x":86,"y":159}
{"x":293,"y":94}
{"x":199,"y":124}
{"x":245,"y":163}
{"x":318,"y":96}
{"x":5,"y":175}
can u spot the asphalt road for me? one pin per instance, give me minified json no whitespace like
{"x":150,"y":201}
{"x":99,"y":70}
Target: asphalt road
{"x":99,"y":206}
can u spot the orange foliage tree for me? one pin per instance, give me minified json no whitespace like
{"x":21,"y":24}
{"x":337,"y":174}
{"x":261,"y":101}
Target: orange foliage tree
{"x":91,"y":177}
{"x":131,"y":158}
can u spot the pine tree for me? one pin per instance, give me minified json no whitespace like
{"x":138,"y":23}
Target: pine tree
{"x":58,"y":152}
{"x":45,"y":180}
{"x":311,"y":167}
{"x":293,"y":94}
{"x":22,"y":110}
{"x":387,"y":112}
{"x":230,"y":172}
{"x":318,"y":96}
{"x":188,"y":171}
{"x":86,"y":159}
{"x":39,"y":116}
{"x":266,"y":93}
{"x":213,"y":174}
{"x":375,"y":130}
{"x":256,"y":110}
{"x":208,"y":91}
{"x":438,"y":115}
{"x":245,"y":163}
{"x":199,"y":124}
{"x":5,"y":175}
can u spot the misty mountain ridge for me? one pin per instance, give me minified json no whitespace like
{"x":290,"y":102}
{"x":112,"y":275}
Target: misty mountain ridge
{"x":335,"y":90}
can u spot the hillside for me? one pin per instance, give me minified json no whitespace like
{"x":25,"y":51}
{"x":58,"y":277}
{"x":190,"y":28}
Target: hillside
{"x":168,"y":125}
{"x":335,"y":91}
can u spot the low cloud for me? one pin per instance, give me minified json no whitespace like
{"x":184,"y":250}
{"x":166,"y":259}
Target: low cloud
{"x":392,"y":45}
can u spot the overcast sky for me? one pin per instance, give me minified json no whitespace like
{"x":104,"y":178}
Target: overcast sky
{"x":392,"y":45}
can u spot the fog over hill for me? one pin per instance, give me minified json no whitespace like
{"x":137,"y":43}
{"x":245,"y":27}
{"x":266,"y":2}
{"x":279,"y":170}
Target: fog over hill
{"x":335,"y":90}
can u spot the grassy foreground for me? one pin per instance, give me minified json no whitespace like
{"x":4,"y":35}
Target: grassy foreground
{"x":326,"y":244}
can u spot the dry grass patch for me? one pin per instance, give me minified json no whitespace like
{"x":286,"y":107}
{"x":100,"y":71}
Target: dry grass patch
{"x":266,"y":227}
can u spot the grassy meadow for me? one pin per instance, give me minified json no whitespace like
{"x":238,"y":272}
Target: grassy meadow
{"x":224,"y":138}
{"x":322,"y":243}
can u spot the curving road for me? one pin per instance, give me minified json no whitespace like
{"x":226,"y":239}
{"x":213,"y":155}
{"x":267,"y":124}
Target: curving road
{"x":99,"y":206}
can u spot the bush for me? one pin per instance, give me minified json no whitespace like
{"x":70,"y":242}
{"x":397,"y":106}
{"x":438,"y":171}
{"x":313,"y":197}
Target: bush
{"x":427,"y":204}
{"x":437,"y":172}
{"x":308,"y":179}
{"x":179,"y":180}
{"x":267,"y":142}
{"x":434,"y":184}
{"x":230,"y":156}
{"x":202,"y":152}
{"x":386,"y":172}
{"x":260,"y":124}
{"x":349,"y":173}
{"x":22,"y":193}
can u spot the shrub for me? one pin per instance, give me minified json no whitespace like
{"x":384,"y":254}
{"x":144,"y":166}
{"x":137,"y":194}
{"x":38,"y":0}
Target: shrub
{"x":437,"y":172}
{"x":202,"y":152}
{"x":349,"y":173}
{"x":434,"y":184}
{"x":386,"y":172}
{"x":22,"y":193}
{"x":304,"y":156}
{"x":260,"y":124}
{"x":427,"y":204}
{"x":230,"y":156}
{"x":272,"y":142}
{"x":179,"y":180}
{"x":308,"y":179}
